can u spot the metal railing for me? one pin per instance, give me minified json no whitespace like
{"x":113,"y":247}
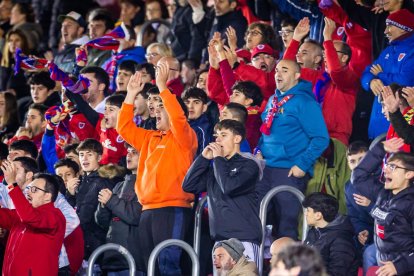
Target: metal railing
{"x":148,"y":23}
{"x":197,"y":225}
{"x":263,"y":216}
{"x":195,"y":271}
{"x":111,"y":246}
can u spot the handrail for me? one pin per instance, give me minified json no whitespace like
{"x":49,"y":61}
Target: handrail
{"x":157,"y":250}
{"x":144,"y":27}
{"x":197,"y":225}
{"x":111,"y":246}
{"x":263,"y":216}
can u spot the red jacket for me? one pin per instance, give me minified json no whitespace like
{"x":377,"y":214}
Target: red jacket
{"x":408,"y":114}
{"x":35,"y":240}
{"x":339,"y":93}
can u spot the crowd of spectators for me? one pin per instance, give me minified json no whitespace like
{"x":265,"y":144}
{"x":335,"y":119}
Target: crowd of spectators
{"x":117,"y":117}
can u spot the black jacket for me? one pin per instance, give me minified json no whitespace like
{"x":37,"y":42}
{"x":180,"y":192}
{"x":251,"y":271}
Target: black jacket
{"x":66,"y":58}
{"x":85,"y":201}
{"x":336,"y":246}
{"x":233,"y":205}
{"x":121,"y":214}
{"x":188,"y":41}
{"x":394,"y":229}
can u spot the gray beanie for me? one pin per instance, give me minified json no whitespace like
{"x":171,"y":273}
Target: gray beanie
{"x":233,"y":246}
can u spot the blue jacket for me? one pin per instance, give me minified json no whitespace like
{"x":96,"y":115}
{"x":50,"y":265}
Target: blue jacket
{"x":203,"y":130}
{"x":298,"y":133}
{"x":397,"y":61}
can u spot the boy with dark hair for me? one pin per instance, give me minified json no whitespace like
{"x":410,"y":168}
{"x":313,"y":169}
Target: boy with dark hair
{"x":112,"y":142}
{"x":153,"y":99}
{"x":22,"y":148}
{"x":236,"y":111}
{"x":196,"y":101}
{"x":394,"y":216}
{"x":288,"y":26}
{"x":331,"y":234}
{"x":248,"y":94}
{"x":142,"y":116}
{"x":125,"y":70}
{"x":147,"y":72}
{"x":34,"y":127}
{"x":97,"y":92}
{"x":230,"y":186}
{"x":83,"y":194}
{"x":120,"y":211}
{"x":161,"y":170}
{"x":67,"y":169}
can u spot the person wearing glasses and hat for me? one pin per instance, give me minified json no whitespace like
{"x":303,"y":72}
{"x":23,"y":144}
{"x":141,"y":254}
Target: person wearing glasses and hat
{"x":37,"y":228}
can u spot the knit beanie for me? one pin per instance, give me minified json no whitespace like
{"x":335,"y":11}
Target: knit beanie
{"x":233,"y":246}
{"x":403,"y":19}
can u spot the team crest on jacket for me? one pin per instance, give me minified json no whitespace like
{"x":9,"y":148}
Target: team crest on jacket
{"x":119,"y":139}
{"x":401,"y":56}
{"x":81,"y":125}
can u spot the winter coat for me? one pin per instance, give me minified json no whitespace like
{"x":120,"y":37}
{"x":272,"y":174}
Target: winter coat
{"x":85,"y":201}
{"x":232,"y":201}
{"x":336,"y":245}
{"x":243,"y":267}
{"x":396,"y":61}
{"x":121,"y":214}
{"x":394,"y":235}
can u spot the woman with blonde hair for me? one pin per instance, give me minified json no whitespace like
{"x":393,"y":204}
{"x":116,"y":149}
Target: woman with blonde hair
{"x":156,"y":51}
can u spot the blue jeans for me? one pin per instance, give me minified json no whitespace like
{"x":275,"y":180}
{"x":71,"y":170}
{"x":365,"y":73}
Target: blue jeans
{"x":369,"y":257}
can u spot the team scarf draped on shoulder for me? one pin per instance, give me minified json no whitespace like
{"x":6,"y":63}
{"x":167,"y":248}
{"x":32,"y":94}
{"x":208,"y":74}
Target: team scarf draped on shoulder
{"x":25,"y":62}
{"x":110,"y":40}
{"x":58,"y":75}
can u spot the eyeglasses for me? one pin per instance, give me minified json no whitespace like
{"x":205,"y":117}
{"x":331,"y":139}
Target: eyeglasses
{"x":285,"y":32}
{"x":151,"y":55}
{"x":392,"y":167}
{"x":253,"y":33}
{"x":33,"y":189}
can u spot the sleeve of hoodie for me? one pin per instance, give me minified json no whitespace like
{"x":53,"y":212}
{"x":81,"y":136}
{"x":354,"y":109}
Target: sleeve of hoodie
{"x":195,"y":180}
{"x":368,"y":165}
{"x":403,"y":129}
{"x":49,"y":150}
{"x":341,"y":257}
{"x":227,"y":76}
{"x":342,"y":76}
{"x":314,"y":126}
{"x":235,"y":180}
{"x":126,"y":127}
{"x":180,"y":127}
{"x":127,"y":210}
{"x":72,"y":219}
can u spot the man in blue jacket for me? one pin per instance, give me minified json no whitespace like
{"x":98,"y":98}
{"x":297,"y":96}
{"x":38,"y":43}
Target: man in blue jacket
{"x":394,"y":65}
{"x":294,"y":136}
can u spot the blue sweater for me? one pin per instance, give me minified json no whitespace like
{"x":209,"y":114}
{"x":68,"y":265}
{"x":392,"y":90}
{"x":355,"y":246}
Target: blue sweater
{"x":298,"y":133}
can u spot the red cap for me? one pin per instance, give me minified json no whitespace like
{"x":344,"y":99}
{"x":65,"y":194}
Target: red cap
{"x":263,"y":49}
{"x":403,"y":19}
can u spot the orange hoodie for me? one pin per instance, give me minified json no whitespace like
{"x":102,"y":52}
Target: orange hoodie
{"x":164,"y":158}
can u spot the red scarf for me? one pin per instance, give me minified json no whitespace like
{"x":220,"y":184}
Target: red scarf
{"x":267,"y":124}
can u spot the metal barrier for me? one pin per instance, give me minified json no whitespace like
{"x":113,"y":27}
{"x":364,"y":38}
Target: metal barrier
{"x":263,"y":215}
{"x":148,"y":23}
{"x":111,"y":246}
{"x":195,"y":271}
{"x":197,"y":224}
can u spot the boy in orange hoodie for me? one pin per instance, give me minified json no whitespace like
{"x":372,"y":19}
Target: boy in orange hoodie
{"x":165,"y":156}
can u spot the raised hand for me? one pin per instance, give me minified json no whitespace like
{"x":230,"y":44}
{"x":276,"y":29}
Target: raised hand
{"x":213,"y":56}
{"x":135,"y":85}
{"x":104,"y":196}
{"x":329,"y":28}
{"x":361,"y":200}
{"x":376,"y":86}
{"x":161,"y":75}
{"x":393,"y":145}
{"x":408,"y":94}
{"x":375,"y":69}
{"x":9,"y":171}
{"x":390,"y":100}
{"x":302,"y":29}
{"x":231,"y":38}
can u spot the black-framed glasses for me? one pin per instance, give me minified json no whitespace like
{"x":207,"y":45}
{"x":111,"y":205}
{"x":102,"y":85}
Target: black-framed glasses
{"x":33,"y":189}
{"x":392,"y":167}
